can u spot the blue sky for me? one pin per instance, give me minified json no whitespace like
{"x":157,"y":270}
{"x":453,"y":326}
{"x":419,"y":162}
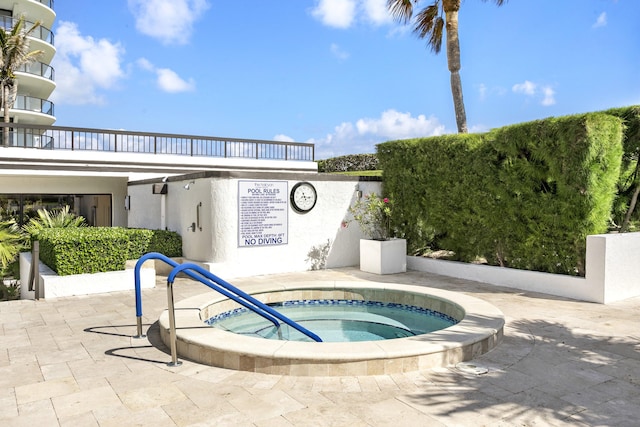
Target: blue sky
{"x":337,"y":73}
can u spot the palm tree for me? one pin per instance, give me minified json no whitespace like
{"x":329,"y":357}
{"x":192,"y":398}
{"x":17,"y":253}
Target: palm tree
{"x":14,"y":46}
{"x":57,"y":218}
{"x":429,"y":23}
{"x":11,"y":242}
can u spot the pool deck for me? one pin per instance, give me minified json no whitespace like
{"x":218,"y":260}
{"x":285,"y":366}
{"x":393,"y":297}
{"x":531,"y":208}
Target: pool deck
{"x":73,"y":362}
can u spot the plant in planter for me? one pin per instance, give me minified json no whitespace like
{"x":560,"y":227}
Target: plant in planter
{"x":379,"y":252}
{"x":373,"y":214}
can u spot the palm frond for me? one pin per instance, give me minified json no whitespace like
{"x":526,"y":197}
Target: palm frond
{"x":11,"y":242}
{"x":426,"y":20}
{"x":401,"y":10}
{"x":430,"y":25}
{"x":435,"y":41}
{"x":57,"y":218}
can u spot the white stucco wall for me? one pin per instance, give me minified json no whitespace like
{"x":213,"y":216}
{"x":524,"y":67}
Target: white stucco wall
{"x":54,"y":286}
{"x":58,"y":184}
{"x":314,"y":239}
{"x":612,"y":272}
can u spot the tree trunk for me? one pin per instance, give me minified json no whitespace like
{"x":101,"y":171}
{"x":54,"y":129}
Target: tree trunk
{"x":632,"y":206}
{"x":451,"y":8}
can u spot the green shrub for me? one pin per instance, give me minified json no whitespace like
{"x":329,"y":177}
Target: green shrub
{"x":350,"y":163}
{"x":523,"y":196}
{"x":168,"y":243}
{"x":630,"y":169}
{"x":84,"y":250}
{"x":100,"y":249}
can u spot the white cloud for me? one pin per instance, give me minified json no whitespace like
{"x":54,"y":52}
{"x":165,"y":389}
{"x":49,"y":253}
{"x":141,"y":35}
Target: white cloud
{"x":338,"y":52}
{"x":601,"y":21}
{"x":343,"y":13}
{"x":169,"y":21}
{"x":283,"y":138}
{"x":485,"y":92}
{"x":167,"y":79}
{"x":482,"y":91}
{"x":145,"y":64}
{"x":335,"y":13}
{"x":376,"y":12}
{"x":395,"y":125}
{"x":534,"y":90}
{"x":528,"y":88}
{"x":171,"y":82}
{"x":361,"y":137}
{"x":84,"y":65}
{"x":549,"y":96}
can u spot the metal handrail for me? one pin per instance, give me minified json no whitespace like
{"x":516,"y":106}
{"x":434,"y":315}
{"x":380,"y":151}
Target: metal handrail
{"x":214,"y":282}
{"x":48,"y":3}
{"x":172,"y":263}
{"x":38,"y":69}
{"x":31,"y":103}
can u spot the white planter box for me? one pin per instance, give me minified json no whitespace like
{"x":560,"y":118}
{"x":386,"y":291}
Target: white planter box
{"x":54,"y":286}
{"x":383,"y":256}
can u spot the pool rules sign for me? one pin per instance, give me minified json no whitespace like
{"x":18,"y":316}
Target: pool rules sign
{"x":262,"y":213}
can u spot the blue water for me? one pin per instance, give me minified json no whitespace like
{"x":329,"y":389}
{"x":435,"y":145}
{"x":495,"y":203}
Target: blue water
{"x":337,"y":321}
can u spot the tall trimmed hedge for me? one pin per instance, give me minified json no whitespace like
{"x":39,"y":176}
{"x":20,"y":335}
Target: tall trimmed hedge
{"x":524,"y":196}
{"x":630,"y":169}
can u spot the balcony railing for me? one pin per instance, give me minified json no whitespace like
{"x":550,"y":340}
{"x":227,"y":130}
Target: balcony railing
{"x":82,"y":139}
{"x":37,"y":105}
{"x":48,"y":3}
{"x":42,"y":32}
{"x":39,"y":69}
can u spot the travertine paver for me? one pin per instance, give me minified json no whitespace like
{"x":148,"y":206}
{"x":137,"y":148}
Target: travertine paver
{"x":73,"y":362}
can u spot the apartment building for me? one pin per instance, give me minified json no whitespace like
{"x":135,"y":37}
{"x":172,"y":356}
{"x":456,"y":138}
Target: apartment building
{"x":36,"y":81}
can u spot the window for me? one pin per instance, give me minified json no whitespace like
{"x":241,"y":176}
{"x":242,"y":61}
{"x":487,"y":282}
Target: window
{"x":95,"y":208}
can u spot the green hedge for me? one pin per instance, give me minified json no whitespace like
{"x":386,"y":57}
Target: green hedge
{"x":629,"y":171}
{"x":350,"y":163}
{"x":524,"y":196}
{"x":99,"y":249}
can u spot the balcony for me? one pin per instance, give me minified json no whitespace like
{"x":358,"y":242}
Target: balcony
{"x":41,"y":33}
{"x":30,"y":110}
{"x":39,"y":69}
{"x":35,"y":10}
{"x":48,"y":3}
{"x":36,"y":105}
{"x":100,"y":140}
{"x":36,"y":79}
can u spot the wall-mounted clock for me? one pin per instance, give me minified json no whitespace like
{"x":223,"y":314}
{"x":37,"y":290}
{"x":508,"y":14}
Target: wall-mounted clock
{"x":303,"y":197}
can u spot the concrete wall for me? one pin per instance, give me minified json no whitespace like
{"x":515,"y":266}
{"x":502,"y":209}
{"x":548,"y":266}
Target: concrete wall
{"x":54,"y":286}
{"x":612,"y":272}
{"x":52,"y":184}
{"x":315,"y":239}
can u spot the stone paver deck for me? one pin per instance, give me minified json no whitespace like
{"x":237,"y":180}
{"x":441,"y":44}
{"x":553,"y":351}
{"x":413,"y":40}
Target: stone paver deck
{"x":73,"y":362}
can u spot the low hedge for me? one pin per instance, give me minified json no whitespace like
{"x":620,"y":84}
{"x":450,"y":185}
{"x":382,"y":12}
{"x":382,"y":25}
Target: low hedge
{"x":349,"y":163}
{"x":99,"y":249}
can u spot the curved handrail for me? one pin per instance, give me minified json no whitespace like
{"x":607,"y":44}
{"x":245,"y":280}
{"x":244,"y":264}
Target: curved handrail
{"x":188,"y":266}
{"x":172,"y":263}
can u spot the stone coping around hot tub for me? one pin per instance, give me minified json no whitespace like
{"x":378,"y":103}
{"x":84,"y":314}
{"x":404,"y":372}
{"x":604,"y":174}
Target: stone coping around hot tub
{"x":478,"y":332}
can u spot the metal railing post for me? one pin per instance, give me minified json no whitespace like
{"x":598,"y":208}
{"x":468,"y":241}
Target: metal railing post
{"x":34,"y":273}
{"x":172,"y":327}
